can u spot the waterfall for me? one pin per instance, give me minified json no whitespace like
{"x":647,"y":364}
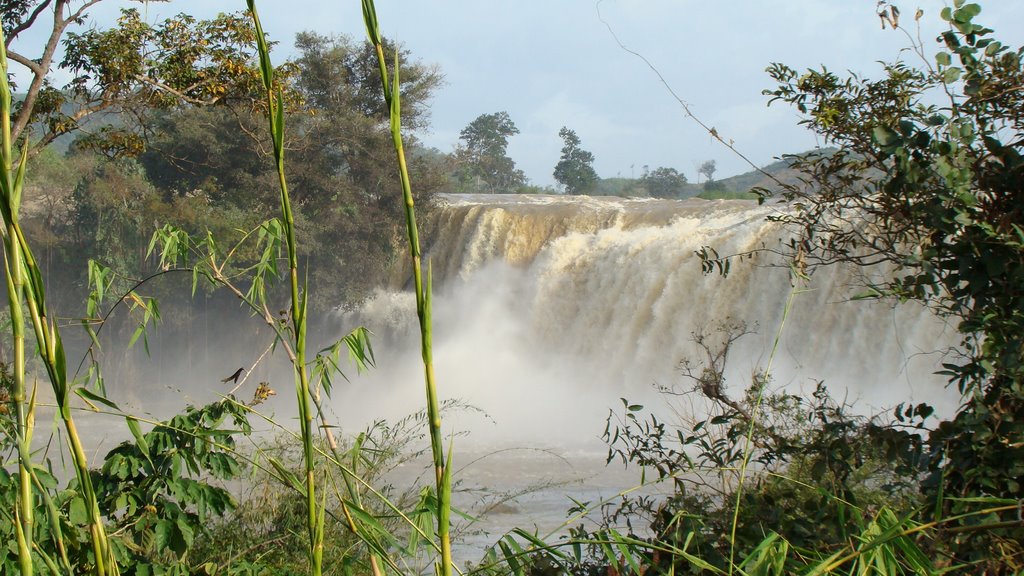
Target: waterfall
{"x":548,"y":309}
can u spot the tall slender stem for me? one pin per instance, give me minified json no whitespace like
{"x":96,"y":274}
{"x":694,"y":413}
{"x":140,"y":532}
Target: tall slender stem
{"x":422,"y":287}
{"x":25,"y":286}
{"x":275,"y":114}
{"x":15,"y":283}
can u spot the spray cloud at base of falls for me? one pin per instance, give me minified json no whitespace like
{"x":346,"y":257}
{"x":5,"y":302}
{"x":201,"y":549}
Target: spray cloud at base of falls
{"x":548,"y":309}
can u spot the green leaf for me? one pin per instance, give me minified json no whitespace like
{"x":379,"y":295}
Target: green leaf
{"x":76,"y":511}
{"x":511,"y":557}
{"x":91,"y":397}
{"x":186,"y":530}
{"x":943,"y":59}
{"x":287,"y":475}
{"x":967,"y":13}
{"x":370,"y":20}
{"x":366,"y":521}
{"x":871,"y":293}
{"x":140,"y":439}
{"x":164,"y":532}
{"x":885,"y":136}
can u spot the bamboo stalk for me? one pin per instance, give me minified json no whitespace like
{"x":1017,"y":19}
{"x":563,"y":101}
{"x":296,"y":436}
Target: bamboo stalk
{"x":275,"y":114}
{"x":15,"y":282}
{"x":423,"y":290}
{"x":23,"y":430}
{"x":25,"y":285}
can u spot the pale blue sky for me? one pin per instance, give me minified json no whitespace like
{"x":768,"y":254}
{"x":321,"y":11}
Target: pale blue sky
{"x":551,"y":63}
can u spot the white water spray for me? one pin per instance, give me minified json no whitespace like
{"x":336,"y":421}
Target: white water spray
{"x":549,"y":309}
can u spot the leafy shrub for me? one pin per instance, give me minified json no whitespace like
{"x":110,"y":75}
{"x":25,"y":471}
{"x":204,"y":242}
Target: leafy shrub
{"x":805,"y":472}
{"x":158,"y":493}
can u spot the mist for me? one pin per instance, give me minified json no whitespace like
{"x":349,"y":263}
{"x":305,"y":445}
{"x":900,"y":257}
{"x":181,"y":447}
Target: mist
{"x":547,"y":311}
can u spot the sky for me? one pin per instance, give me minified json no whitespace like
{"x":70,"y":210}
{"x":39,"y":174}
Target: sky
{"x":554,"y":63}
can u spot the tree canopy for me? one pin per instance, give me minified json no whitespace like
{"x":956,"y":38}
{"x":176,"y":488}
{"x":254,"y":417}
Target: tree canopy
{"x":575,"y":168}
{"x":481,"y":160}
{"x":708,"y":169}
{"x":127,"y":71}
{"x":925,"y":192}
{"x":183,"y":96}
{"x":663,"y":182}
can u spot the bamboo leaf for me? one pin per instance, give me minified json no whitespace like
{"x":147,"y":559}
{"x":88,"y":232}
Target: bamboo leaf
{"x":511,"y":557}
{"x":626,"y":550}
{"x":140,"y":439}
{"x":91,"y":397}
{"x":19,"y":181}
{"x":286,"y":475}
{"x":370,"y":20}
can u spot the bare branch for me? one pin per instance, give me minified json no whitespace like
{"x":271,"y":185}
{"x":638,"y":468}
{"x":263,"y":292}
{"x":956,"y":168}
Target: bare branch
{"x":686,"y":107}
{"x":179,"y":93}
{"x":42,"y":67}
{"x":81,"y":11}
{"x":27,"y":23}
{"x":27,"y":63}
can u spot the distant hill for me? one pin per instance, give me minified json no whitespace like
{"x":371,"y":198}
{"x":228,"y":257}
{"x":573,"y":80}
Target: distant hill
{"x":770,"y":176}
{"x":759,"y":178}
{"x":64,"y":141}
{"x":738,"y":186}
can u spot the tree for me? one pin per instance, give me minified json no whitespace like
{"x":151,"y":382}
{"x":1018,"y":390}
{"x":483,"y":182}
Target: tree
{"x":481,"y":160}
{"x":575,"y":169}
{"x":128,"y":70}
{"x":342,"y":173}
{"x":663,"y":183}
{"x":926,"y":192}
{"x":338,"y":75}
{"x":707,"y":169}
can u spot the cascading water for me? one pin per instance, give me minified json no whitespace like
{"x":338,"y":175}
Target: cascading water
{"x":548,"y":309}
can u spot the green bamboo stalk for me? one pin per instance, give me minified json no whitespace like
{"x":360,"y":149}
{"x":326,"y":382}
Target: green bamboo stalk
{"x":392,"y":97}
{"x":25,"y":279}
{"x":275,"y":114}
{"x":349,"y":478}
{"x":18,"y":397}
{"x":15,"y":282}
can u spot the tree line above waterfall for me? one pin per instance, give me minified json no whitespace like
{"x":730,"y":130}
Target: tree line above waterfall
{"x":161,"y":123}
{"x":480,"y":164}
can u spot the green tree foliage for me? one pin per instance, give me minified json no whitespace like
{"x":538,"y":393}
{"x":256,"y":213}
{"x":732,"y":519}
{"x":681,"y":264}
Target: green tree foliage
{"x":207,"y":154}
{"x":663,"y":183}
{"x":130,"y":70}
{"x":822,"y":475}
{"x":820,"y":483}
{"x":575,"y":169}
{"x":49,"y":187}
{"x":206,"y":166}
{"x":159,"y":493}
{"x":111,"y":206}
{"x":927,"y":183}
{"x":339,"y":75}
{"x":342,"y":174}
{"x":481,"y":159}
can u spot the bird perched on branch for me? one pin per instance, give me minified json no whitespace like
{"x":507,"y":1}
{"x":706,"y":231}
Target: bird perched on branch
{"x":234,"y":377}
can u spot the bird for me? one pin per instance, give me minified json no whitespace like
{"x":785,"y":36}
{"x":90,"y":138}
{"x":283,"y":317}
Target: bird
{"x":234,"y":377}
